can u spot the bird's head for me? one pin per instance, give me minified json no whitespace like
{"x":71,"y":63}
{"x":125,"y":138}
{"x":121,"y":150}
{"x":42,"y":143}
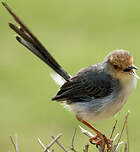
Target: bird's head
{"x":120,"y":64}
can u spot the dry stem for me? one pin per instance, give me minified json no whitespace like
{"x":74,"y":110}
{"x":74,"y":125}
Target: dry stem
{"x":60,"y":145}
{"x":86,"y":148}
{"x":125,"y":122}
{"x":114,"y":127}
{"x":72,"y":144}
{"x":15,"y":144}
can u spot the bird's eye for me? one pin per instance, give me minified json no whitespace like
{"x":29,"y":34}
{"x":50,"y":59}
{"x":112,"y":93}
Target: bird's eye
{"x":127,"y":70}
{"x":115,"y":67}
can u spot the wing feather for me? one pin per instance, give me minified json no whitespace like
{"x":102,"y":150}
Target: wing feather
{"x":88,"y":83}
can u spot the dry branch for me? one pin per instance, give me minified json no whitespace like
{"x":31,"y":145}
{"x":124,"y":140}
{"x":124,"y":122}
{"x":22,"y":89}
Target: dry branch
{"x":42,"y":145}
{"x":86,"y":148}
{"x":73,"y":138}
{"x":127,"y":134}
{"x":60,"y":145}
{"x":90,"y":135}
{"x":125,"y":122}
{"x":15,"y":144}
{"x":113,"y":129}
{"x":50,"y":145}
{"x":114,"y":146}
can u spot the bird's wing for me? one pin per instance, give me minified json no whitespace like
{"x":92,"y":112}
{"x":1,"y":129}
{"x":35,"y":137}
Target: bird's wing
{"x":88,"y":83}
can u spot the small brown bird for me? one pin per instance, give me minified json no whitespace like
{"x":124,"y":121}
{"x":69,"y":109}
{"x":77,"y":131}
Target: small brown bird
{"x":94,"y":93}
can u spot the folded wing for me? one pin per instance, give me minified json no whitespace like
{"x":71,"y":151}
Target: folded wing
{"x":87,"y":84}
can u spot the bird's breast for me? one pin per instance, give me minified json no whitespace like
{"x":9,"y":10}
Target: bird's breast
{"x":104,"y":108}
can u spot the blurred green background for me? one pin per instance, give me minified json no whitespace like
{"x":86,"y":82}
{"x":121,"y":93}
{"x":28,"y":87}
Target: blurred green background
{"x":77,"y":33}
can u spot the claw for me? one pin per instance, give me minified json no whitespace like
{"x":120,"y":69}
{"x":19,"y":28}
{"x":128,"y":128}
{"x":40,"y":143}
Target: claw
{"x":93,"y":138}
{"x":101,"y":139}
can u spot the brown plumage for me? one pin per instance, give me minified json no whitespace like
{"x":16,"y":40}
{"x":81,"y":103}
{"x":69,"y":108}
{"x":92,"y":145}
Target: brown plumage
{"x":120,"y":58}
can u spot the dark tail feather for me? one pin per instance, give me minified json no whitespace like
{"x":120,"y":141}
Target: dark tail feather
{"x":31,"y":42}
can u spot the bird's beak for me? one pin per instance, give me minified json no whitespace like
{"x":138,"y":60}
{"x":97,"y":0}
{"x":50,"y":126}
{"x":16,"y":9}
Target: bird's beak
{"x":133,"y":67}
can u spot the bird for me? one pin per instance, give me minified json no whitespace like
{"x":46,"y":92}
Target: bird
{"x":94,"y":93}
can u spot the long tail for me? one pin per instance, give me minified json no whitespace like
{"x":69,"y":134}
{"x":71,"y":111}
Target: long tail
{"x":30,"y":41}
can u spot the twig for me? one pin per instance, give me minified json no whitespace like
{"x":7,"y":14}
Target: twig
{"x":51,"y":143}
{"x":117,"y":146}
{"x":86,"y":148}
{"x":46,"y":149}
{"x":40,"y":142}
{"x":113,"y":129}
{"x":90,"y":135}
{"x":115,"y":138}
{"x":17,"y":149}
{"x":126,"y":117}
{"x":59,"y":144}
{"x":72,"y":144}
{"x":13,"y":143}
{"x":42,"y":145}
{"x":121,"y":149}
{"x":125,"y":147}
{"x":127,"y":134}
{"x":87,"y":133}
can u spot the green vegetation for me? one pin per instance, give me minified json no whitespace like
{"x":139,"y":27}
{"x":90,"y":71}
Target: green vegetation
{"x":78,"y":33}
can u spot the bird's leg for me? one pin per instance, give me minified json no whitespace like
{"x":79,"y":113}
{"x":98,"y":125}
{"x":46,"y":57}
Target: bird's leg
{"x":99,"y":138}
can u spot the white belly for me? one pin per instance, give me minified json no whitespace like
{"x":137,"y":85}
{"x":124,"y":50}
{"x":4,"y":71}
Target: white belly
{"x":110,"y":106}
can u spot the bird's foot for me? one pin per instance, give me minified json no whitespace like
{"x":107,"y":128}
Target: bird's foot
{"x":102,"y":140}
